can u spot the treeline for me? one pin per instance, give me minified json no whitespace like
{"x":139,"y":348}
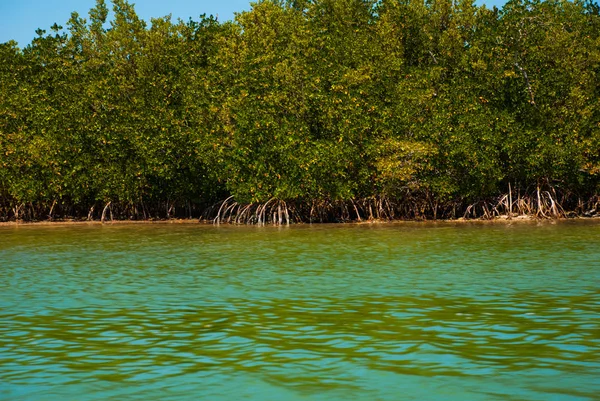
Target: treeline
{"x":306,"y":110}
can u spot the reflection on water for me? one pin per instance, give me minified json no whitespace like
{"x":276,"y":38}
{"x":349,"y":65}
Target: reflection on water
{"x":410,"y":312}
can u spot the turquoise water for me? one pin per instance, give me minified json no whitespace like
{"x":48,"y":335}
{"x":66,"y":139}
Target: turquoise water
{"x":330,"y":312}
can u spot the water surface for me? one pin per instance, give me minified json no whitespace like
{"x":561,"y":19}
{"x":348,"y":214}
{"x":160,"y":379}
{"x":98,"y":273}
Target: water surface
{"x":346,"y":312}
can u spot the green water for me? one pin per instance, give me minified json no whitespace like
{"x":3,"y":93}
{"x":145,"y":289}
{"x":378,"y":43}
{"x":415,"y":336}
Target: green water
{"x":351,"y":312}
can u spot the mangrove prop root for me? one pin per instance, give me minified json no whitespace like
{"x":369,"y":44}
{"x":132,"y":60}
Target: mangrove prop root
{"x":106,"y":207}
{"x":544,"y":200}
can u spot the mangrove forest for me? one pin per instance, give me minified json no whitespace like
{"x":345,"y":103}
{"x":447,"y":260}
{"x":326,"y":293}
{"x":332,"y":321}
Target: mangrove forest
{"x":306,"y":111}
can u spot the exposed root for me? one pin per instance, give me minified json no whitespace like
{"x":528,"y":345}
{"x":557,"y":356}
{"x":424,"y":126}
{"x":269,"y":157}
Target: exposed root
{"x":279,"y":212}
{"x":275,"y":212}
{"x":51,"y":209}
{"x":106,"y":207}
{"x":543,"y":201}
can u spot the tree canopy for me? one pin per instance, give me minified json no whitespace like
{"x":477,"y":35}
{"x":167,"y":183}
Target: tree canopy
{"x":357,"y":108}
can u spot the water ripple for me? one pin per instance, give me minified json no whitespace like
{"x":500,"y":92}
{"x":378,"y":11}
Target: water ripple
{"x":375,"y":317}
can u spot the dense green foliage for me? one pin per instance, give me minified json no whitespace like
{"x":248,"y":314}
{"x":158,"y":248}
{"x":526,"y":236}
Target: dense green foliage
{"x":408,"y":106}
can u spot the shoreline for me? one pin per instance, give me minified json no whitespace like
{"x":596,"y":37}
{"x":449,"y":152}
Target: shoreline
{"x":503,"y":219}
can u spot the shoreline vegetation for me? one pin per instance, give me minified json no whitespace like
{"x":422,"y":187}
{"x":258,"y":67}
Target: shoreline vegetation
{"x":501,"y":219}
{"x":277,"y":213}
{"x":306,"y":111}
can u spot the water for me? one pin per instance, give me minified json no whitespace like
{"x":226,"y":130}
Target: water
{"x":352,"y":312}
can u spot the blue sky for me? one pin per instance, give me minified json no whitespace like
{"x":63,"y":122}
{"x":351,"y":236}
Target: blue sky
{"x":20,"y":18}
